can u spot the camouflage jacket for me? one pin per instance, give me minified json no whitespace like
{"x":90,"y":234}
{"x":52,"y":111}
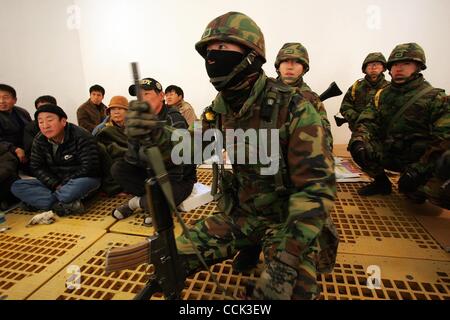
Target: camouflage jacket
{"x":357,"y":98}
{"x":313,"y":97}
{"x":420,"y":134}
{"x":309,"y":171}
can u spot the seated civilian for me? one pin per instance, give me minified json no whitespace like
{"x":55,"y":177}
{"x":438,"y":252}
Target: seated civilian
{"x":8,"y":174}
{"x":13,"y":120}
{"x":32,"y":128}
{"x":175,"y":99}
{"x":91,"y":113}
{"x":65,"y":161}
{"x":113,"y":142}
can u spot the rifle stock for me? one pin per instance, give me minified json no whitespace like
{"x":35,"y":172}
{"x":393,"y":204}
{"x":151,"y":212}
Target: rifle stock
{"x":340,"y":121}
{"x":332,"y":91}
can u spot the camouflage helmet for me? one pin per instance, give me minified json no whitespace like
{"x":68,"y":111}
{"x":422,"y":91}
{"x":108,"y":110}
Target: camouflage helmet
{"x":293,"y":50}
{"x":407,"y":52}
{"x":373,"y":57}
{"x":233,"y":27}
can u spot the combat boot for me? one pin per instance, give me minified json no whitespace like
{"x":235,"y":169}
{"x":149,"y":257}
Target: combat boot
{"x":246,"y":259}
{"x":380,"y":185}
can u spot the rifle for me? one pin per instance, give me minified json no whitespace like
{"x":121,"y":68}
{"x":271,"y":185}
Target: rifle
{"x":160,"y":248}
{"x":333,"y":91}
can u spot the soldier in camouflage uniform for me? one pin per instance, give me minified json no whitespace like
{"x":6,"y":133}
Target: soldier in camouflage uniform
{"x":362,"y":91}
{"x":287,"y":212}
{"x":406,"y":129}
{"x":292,"y":63}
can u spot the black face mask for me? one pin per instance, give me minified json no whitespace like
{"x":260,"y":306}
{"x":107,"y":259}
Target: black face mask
{"x":223,"y":62}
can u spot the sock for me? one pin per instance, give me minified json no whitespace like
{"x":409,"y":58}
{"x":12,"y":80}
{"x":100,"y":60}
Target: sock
{"x":134,"y":203}
{"x":118,"y":215}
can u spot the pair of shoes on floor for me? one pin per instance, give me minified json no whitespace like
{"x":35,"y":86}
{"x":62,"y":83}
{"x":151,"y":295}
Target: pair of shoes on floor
{"x":66,"y":209}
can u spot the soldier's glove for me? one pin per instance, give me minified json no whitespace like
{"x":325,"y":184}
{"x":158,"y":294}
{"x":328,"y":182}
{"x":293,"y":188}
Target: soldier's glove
{"x":410,"y":180}
{"x":276,"y":282}
{"x":140,"y":123}
{"x":443,"y":166}
{"x":359,"y":153}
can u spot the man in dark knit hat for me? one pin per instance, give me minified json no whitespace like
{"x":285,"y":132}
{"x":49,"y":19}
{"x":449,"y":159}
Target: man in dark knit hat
{"x":65,"y":161}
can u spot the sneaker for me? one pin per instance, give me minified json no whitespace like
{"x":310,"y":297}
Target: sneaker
{"x":246,"y":259}
{"x":65,"y":209}
{"x":381,"y":185}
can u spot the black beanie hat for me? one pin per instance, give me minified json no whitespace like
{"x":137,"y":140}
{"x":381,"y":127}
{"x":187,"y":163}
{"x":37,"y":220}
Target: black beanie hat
{"x":51,"y":108}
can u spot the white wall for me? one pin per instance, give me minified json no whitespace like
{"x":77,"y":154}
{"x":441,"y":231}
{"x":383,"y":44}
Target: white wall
{"x":41,"y":55}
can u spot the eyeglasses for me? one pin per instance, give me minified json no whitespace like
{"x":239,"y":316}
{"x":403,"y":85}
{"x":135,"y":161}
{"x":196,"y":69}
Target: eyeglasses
{"x":374,"y":64}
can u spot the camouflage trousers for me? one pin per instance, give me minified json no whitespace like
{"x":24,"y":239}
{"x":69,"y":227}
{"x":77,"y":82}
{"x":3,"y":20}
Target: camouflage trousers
{"x":379,"y":161}
{"x":221,"y":236}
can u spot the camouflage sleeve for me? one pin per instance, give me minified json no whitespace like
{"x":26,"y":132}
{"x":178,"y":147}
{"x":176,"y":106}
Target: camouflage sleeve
{"x":440,"y":132}
{"x":325,"y":123}
{"x":311,"y":168}
{"x":348,"y":109}
{"x":367,"y":125}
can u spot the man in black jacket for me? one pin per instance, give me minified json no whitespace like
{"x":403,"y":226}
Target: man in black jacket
{"x":131,"y":172}
{"x":8,"y":174}
{"x":32,"y":129}
{"x":13,"y":120}
{"x":65,"y":161}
